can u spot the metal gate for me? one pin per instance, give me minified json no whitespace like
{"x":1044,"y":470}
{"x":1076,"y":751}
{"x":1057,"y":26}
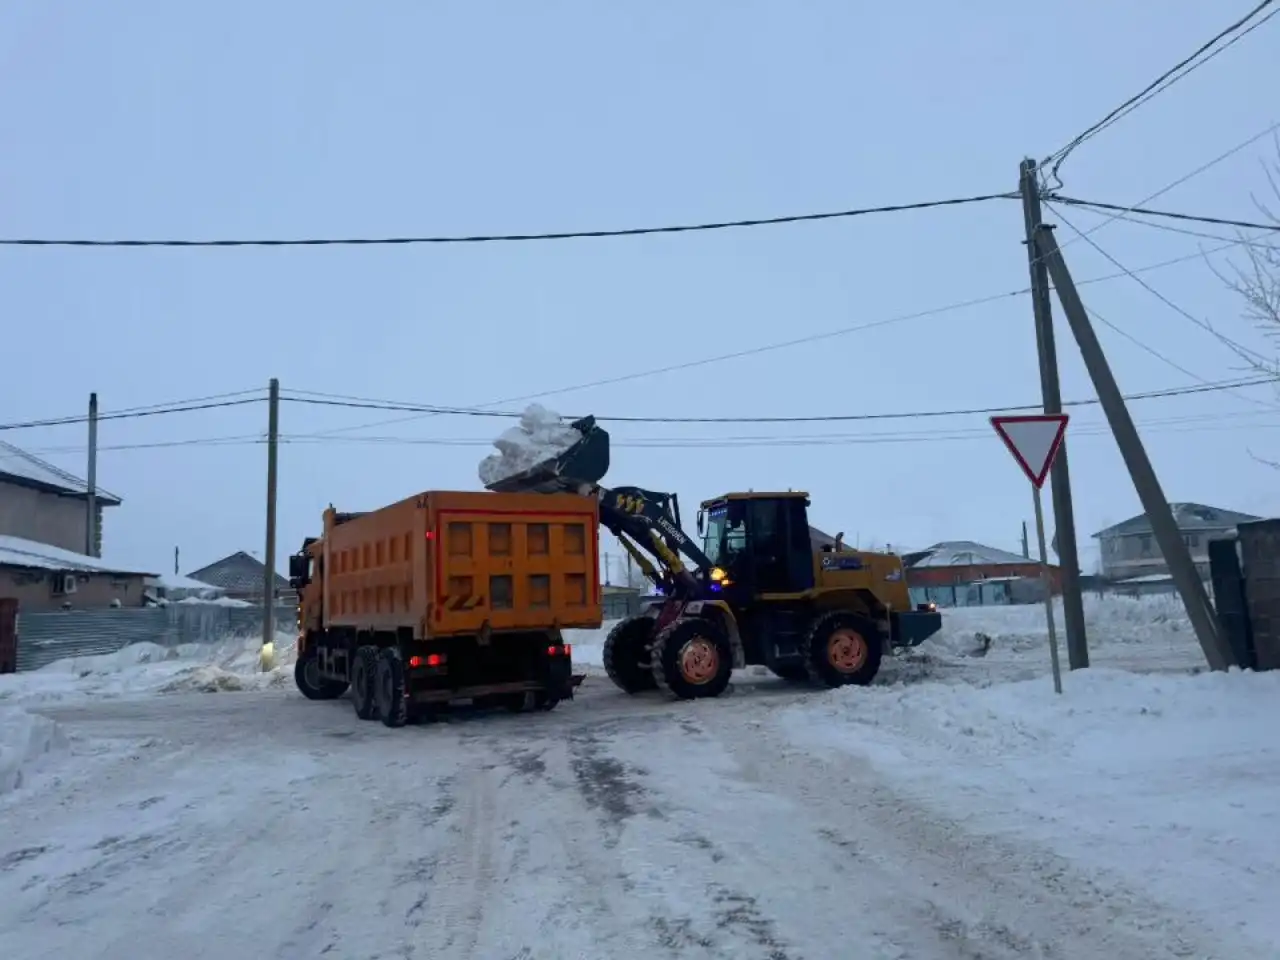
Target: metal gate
{"x":8,"y":635}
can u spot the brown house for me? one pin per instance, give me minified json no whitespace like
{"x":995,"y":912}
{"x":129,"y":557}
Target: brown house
{"x":44,"y":578}
{"x":955,"y":562}
{"x":42,"y":503}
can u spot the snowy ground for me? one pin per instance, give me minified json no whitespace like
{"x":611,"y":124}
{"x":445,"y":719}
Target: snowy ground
{"x":956,"y":811}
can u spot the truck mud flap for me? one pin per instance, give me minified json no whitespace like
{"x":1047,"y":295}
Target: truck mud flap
{"x":493,"y":689}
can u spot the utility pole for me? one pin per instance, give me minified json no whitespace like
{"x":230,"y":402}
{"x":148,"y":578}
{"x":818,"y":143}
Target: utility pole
{"x":1176,"y":555}
{"x":1026,"y":547}
{"x":1064,"y":518}
{"x":175,"y":561}
{"x":91,"y":483}
{"x":269,"y":573}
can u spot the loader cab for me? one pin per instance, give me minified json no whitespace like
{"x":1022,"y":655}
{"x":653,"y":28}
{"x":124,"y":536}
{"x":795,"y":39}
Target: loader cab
{"x":761,"y":542}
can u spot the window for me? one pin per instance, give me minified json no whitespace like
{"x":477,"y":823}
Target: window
{"x":1144,"y":545}
{"x":724,"y":539}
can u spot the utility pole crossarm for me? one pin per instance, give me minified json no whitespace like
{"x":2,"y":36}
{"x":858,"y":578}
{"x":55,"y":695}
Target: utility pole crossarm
{"x":1185,"y":576}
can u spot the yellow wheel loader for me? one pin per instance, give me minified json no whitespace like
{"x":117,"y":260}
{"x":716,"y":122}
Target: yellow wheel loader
{"x":757,"y":590}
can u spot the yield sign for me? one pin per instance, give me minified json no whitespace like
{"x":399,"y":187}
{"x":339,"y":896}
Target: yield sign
{"x":1033,"y":440}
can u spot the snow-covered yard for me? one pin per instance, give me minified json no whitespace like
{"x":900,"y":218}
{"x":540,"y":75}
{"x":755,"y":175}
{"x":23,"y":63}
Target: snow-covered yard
{"x":957,"y":809}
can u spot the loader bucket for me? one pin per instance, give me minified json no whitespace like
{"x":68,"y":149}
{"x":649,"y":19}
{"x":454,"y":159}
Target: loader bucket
{"x":583,"y":464}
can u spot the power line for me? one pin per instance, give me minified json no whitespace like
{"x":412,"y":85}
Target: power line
{"x":766,"y":348}
{"x":1193,"y":423}
{"x":1167,"y":79}
{"x":515,"y":237}
{"x":368,"y":404}
{"x":1146,"y":211}
{"x":1249,"y":355}
{"x":1225,"y":155}
{"x":131,"y":414}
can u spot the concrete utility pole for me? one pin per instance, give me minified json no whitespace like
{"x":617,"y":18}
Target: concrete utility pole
{"x":175,"y":562}
{"x":1064,"y":518}
{"x":1199,"y":610}
{"x":269,"y":573}
{"x":1026,"y":549}
{"x":91,"y":483}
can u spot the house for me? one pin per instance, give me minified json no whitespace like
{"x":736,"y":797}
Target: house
{"x":241,"y":577}
{"x":1129,"y":550}
{"x":44,"y":578}
{"x":967,"y":573}
{"x":42,"y":503}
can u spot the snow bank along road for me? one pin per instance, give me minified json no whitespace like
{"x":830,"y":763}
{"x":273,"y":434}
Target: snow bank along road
{"x":258,"y":824}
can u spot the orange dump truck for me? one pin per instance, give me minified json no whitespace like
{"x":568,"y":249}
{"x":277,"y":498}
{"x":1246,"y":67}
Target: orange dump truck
{"x":447,"y":596}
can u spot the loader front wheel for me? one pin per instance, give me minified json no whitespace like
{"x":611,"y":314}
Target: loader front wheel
{"x":843,"y":648}
{"x":363,"y":670}
{"x":626,"y":655}
{"x":389,"y":690}
{"x":692,"y":659}
{"x":306,"y":674}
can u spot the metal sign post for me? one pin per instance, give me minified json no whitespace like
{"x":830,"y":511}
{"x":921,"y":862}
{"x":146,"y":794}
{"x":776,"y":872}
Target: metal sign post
{"x":1034,"y":441}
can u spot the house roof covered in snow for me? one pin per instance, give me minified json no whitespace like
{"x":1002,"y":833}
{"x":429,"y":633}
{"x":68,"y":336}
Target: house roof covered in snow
{"x":27,"y":470}
{"x":238,"y":573}
{"x":1188,"y":516}
{"x":962,"y":553}
{"x":17,"y":552}
{"x":175,"y":581}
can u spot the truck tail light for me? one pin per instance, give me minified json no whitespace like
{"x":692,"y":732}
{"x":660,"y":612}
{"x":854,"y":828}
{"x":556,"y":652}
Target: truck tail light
{"x":564,"y":650}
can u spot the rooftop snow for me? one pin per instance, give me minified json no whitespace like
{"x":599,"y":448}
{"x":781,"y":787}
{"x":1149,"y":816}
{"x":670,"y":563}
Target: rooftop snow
{"x":23,"y":467}
{"x":966,"y":553}
{"x":17,"y":552}
{"x":175,"y":581}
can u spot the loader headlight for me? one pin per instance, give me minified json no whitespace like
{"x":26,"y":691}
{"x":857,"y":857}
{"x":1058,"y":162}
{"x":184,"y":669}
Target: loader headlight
{"x":717,"y":575}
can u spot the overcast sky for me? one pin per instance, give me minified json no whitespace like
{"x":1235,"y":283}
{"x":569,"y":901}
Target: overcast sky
{"x":325,"y":119}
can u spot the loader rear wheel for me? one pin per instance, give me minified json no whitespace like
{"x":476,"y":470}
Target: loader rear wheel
{"x":363,"y":670}
{"x":389,"y":690}
{"x":843,"y":648}
{"x":692,"y":659}
{"x":306,"y":674}
{"x":626,"y":655}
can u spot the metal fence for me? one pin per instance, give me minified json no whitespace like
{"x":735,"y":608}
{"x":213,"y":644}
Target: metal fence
{"x":46,"y":637}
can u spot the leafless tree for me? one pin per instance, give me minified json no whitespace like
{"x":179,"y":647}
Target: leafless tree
{"x":1255,"y":278}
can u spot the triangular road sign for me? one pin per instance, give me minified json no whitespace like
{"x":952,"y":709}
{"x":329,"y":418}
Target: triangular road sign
{"x":1033,"y":440}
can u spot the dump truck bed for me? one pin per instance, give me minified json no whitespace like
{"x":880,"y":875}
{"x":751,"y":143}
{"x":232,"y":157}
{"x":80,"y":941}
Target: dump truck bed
{"x":448,"y":563}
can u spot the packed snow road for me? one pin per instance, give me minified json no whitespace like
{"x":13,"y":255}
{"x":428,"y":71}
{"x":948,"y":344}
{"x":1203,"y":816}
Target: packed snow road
{"x":258,"y":824}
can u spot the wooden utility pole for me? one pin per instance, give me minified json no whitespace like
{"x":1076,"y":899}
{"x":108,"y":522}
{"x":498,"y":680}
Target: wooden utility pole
{"x":1064,"y":518}
{"x":1176,"y":555}
{"x":269,"y":573}
{"x":91,"y":483}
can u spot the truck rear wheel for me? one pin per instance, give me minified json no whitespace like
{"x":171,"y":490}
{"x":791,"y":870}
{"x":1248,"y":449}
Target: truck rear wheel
{"x":626,"y":655}
{"x":389,"y":689}
{"x":306,"y":674}
{"x":692,"y":659}
{"x":843,"y":648}
{"x":363,"y":671}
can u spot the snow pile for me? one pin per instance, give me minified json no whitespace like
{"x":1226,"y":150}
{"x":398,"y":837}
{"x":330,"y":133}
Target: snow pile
{"x":141,"y":669}
{"x":1121,"y":631}
{"x":1165,"y":781}
{"x":216,"y":601}
{"x":540,"y":435}
{"x":27,"y":741}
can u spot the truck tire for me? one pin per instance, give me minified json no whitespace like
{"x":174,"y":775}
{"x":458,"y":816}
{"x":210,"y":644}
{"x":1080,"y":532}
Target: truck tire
{"x":843,"y":648}
{"x":363,"y":671}
{"x":692,"y":659}
{"x":625,"y":654}
{"x":306,"y":674}
{"x":389,"y":689}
